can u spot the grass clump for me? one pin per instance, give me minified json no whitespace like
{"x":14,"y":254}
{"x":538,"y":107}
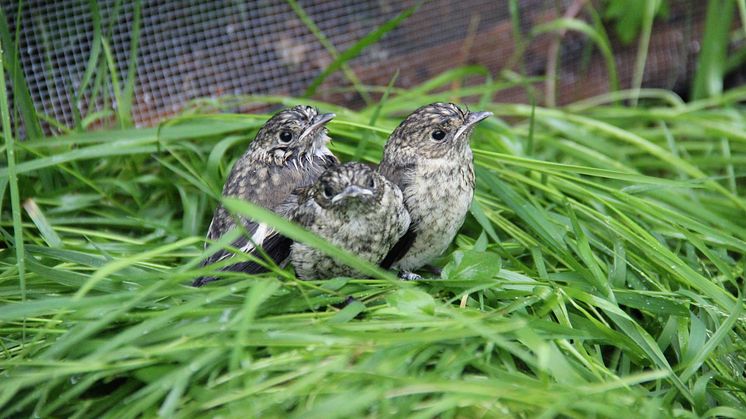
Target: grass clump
{"x":600,"y":271}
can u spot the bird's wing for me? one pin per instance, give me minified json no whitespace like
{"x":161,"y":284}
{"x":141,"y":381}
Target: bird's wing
{"x":272,"y":244}
{"x":256,"y":234}
{"x":288,"y":208}
{"x":275,"y":245}
{"x":400,"y":249}
{"x":398,"y":174}
{"x":401,"y":175}
{"x":282,"y":199}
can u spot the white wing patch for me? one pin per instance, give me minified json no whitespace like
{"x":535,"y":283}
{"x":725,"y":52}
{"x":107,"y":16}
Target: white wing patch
{"x":209,"y":231}
{"x":256,"y":238}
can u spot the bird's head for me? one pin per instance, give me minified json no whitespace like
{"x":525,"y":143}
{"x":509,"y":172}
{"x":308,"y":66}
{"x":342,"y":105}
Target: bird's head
{"x":351,"y":187}
{"x":438,"y":130}
{"x":294,"y":133}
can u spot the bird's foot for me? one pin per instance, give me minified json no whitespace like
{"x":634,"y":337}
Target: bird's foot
{"x":409,"y":276}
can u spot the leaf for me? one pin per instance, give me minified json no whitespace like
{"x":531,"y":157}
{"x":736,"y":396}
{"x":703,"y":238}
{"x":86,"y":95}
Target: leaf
{"x":472,"y":265}
{"x":412,"y":301}
{"x":628,"y":18}
{"x":348,"y":313}
{"x":41,"y":222}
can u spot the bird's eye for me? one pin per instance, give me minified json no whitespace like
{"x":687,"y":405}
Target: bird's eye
{"x":371,"y":183}
{"x":328,"y":191}
{"x":438,"y":135}
{"x":286,"y":136}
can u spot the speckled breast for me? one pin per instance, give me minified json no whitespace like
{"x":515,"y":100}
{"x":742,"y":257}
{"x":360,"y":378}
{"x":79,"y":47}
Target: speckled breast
{"x":438,"y":200}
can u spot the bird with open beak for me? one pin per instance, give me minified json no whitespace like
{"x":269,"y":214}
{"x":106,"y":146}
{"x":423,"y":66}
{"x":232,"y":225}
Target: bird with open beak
{"x":289,"y":152}
{"x":429,"y":157}
{"x":353,"y":207}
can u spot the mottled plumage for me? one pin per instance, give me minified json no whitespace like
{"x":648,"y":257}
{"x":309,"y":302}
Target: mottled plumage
{"x":353,"y":207}
{"x":428,"y":156}
{"x":289,"y":152}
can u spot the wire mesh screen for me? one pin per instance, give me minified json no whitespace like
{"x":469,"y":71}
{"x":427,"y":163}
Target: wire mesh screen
{"x":212,"y":48}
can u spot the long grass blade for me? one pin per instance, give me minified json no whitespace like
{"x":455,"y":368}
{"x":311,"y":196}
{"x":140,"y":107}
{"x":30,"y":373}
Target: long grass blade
{"x":358,"y":47}
{"x":22,"y":96}
{"x":15,"y":200}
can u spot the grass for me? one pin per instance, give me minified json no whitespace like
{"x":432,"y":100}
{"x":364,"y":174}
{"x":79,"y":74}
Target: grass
{"x":601,"y":269}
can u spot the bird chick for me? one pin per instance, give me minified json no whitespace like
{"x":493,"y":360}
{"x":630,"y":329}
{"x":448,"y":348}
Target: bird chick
{"x":289,"y":151}
{"x":428,"y":156}
{"x":353,"y":207}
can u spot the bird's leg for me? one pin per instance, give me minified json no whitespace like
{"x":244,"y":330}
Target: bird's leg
{"x":409,"y":276}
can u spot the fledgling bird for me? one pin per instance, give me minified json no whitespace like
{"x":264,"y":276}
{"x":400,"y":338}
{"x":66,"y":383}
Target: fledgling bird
{"x":353,"y":207}
{"x":428,"y":156}
{"x":289,"y":151}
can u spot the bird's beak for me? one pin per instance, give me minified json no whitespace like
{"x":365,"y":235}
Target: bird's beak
{"x":471,"y":120}
{"x":352,"y":191}
{"x":318,"y":121}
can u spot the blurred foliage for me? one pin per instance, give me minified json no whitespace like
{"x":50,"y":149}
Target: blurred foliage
{"x":627,"y":16}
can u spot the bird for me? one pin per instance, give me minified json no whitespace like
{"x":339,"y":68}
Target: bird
{"x":429,"y":157}
{"x":353,"y":207}
{"x":289,"y":152}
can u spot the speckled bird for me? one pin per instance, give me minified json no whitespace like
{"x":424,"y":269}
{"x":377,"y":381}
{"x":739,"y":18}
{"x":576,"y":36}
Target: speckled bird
{"x":353,"y":207}
{"x":429,"y":157}
{"x":289,"y":152}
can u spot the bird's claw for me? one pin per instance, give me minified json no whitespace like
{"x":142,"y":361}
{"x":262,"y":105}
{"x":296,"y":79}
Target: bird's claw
{"x":409,"y":276}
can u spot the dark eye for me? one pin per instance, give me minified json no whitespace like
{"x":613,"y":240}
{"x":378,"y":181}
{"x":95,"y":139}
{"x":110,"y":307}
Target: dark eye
{"x":371,"y":183}
{"x":328,"y":191}
{"x":438,"y":135}
{"x":286,"y":136}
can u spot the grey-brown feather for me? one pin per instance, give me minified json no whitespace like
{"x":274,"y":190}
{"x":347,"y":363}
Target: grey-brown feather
{"x":436,"y":179}
{"x":367,"y":228}
{"x":266,"y":175}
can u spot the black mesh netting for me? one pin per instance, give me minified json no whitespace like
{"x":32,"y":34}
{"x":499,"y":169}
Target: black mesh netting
{"x":209,"y":48}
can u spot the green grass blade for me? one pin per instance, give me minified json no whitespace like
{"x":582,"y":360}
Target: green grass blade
{"x":600,"y":40}
{"x":22,"y":97}
{"x":122,"y":110}
{"x":93,"y":61}
{"x":129,"y":84}
{"x":326,"y":43}
{"x":45,"y":229}
{"x":708,"y":77}
{"x":358,"y":47}
{"x":648,"y":15}
{"x":15,"y":200}
{"x":374,"y":117}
